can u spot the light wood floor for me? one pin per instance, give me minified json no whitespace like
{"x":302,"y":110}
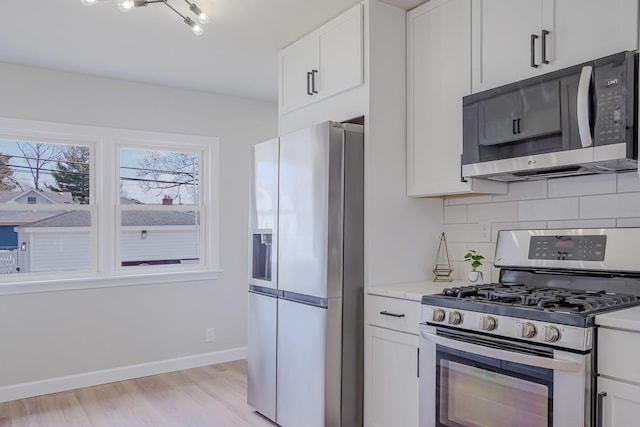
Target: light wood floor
{"x":211,"y":396}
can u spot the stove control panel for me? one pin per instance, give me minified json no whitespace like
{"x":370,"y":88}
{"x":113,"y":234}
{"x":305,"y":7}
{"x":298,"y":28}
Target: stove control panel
{"x":570,"y":248}
{"x":565,"y":336}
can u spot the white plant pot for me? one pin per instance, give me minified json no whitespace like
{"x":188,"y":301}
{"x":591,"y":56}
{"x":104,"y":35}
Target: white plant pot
{"x":475,"y":277}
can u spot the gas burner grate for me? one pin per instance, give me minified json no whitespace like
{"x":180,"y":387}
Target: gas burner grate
{"x":545,"y":299}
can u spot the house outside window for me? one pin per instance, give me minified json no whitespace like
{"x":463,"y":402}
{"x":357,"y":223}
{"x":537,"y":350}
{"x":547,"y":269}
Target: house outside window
{"x":102,"y":203}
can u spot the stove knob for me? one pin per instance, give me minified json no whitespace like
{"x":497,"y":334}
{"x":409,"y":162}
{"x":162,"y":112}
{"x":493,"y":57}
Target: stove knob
{"x":455,"y":318}
{"x":528,"y":330}
{"x":438,"y":315}
{"x":488,"y":323}
{"x":551,"y":334}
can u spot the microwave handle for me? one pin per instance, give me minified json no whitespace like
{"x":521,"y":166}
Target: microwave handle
{"x":584,"y":127}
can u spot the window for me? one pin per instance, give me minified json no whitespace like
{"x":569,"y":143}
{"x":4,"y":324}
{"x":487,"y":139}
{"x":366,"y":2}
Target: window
{"x":104,"y":204}
{"x":170,"y":231}
{"x":43,"y":185}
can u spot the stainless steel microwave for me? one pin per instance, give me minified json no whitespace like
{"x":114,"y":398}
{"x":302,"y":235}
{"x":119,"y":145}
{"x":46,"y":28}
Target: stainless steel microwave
{"x":574,"y":121}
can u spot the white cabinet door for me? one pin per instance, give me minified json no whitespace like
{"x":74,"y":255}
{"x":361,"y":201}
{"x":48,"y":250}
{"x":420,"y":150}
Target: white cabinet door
{"x":391,"y":385}
{"x":341,"y":65}
{"x":621,"y":403}
{"x":502,"y":41}
{"x":297,"y":63}
{"x":588,"y":29}
{"x":323,"y":63}
{"x":439,"y":75}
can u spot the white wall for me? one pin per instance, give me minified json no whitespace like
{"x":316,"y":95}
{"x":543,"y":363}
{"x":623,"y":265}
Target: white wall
{"x":583,"y":201}
{"x":53,"y":334}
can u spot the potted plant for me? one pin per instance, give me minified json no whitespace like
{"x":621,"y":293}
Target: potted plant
{"x":475,"y":259}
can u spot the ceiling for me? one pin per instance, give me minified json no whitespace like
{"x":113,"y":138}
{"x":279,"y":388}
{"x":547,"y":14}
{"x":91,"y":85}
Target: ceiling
{"x":236,"y":55}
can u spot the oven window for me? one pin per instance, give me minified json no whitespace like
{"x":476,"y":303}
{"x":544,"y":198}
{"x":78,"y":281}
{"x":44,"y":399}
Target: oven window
{"x":475,"y":391}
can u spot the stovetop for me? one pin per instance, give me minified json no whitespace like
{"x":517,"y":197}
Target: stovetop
{"x":550,"y":304}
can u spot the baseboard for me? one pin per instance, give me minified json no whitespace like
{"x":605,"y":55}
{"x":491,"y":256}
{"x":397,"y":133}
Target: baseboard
{"x":70,"y":382}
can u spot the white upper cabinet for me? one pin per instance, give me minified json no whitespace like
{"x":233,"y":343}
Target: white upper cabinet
{"x":323,"y":63}
{"x":502,"y":41}
{"x":588,"y":29}
{"x":516,"y":39}
{"x":438,"y":76}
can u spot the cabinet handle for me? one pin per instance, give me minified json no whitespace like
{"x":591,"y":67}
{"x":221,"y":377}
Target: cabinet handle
{"x":518,"y":125}
{"x":313,"y":81}
{"x":600,"y":408}
{"x":513,"y":126}
{"x":386,"y":313}
{"x":418,"y":362}
{"x":309,"y":77}
{"x":533,"y":51}
{"x":545,"y":33}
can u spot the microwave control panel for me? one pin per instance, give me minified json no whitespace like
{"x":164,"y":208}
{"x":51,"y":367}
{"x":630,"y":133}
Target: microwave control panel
{"x":569,"y":248}
{"x":611,"y":102}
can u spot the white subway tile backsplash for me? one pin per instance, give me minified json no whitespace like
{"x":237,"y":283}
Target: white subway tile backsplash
{"x":495,"y":275}
{"x":504,"y":211}
{"x":583,"y":223}
{"x":598,"y":201}
{"x":622,"y":205}
{"x":628,"y":222}
{"x":548,"y":209}
{"x":457,"y":251}
{"x":464,"y":233}
{"x":524,"y":190}
{"x":487,"y":250}
{"x":529,"y":225}
{"x":468,"y":200}
{"x":459,"y":270}
{"x":582,"y":185}
{"x":628,"y":182}
{"x":455,"y":214}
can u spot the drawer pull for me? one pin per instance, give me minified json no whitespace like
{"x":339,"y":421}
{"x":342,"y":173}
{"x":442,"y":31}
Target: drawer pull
{"x":386,"y":313}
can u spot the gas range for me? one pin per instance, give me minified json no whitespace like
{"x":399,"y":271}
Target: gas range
{"x":553,"y":284}
{"x":557,"y":316}
{"x":527,"y":343}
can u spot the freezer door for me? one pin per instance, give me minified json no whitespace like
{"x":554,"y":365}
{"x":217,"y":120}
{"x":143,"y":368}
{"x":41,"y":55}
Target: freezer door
{"x":261,"y":371}
{"x":311,"y":211}
{"x":309,"y":369}
{"x":263,"y":216}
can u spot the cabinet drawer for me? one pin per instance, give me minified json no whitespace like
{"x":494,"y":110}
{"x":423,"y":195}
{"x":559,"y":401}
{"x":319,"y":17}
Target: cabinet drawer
{"x":393,"y":313}
{"x":618,"y":354}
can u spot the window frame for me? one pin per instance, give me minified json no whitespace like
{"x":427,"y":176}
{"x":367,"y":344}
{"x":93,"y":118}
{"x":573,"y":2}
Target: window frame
{"x":104,"y":144}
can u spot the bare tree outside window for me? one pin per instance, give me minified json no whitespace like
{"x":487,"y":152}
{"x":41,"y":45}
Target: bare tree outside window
{"x":153,"y":175}
{"x":37,"y":156}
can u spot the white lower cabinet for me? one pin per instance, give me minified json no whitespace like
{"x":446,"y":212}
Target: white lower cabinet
{"x":391,"y":362}
{"x":618,"y":384}
{"x":620,"y":403}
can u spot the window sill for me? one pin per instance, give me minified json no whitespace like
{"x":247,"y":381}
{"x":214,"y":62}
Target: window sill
{"x":92,"y":282}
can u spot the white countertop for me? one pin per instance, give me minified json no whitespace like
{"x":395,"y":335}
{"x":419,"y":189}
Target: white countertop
{"x":628,"y":318}
{"x":413,"y":290}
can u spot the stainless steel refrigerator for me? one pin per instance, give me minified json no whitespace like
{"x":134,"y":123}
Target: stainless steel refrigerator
{"x":306,"y":277}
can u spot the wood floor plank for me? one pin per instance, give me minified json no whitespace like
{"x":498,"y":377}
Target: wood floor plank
{"x":209,"y":396}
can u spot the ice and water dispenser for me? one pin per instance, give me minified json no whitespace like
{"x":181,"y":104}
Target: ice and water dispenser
{"x":262,"y":253}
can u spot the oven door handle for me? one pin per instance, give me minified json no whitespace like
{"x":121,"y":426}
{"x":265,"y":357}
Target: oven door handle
{"x":509,"y":356}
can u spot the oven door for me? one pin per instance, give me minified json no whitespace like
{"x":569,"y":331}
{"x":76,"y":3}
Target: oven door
{"x":474,"y":380}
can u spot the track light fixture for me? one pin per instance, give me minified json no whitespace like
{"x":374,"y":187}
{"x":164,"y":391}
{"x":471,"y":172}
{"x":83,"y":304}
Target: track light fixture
{"x":196,"y":25}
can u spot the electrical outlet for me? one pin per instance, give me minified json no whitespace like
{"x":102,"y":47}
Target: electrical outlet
{"x":486,"y":230}
{"x":209,"y":335}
